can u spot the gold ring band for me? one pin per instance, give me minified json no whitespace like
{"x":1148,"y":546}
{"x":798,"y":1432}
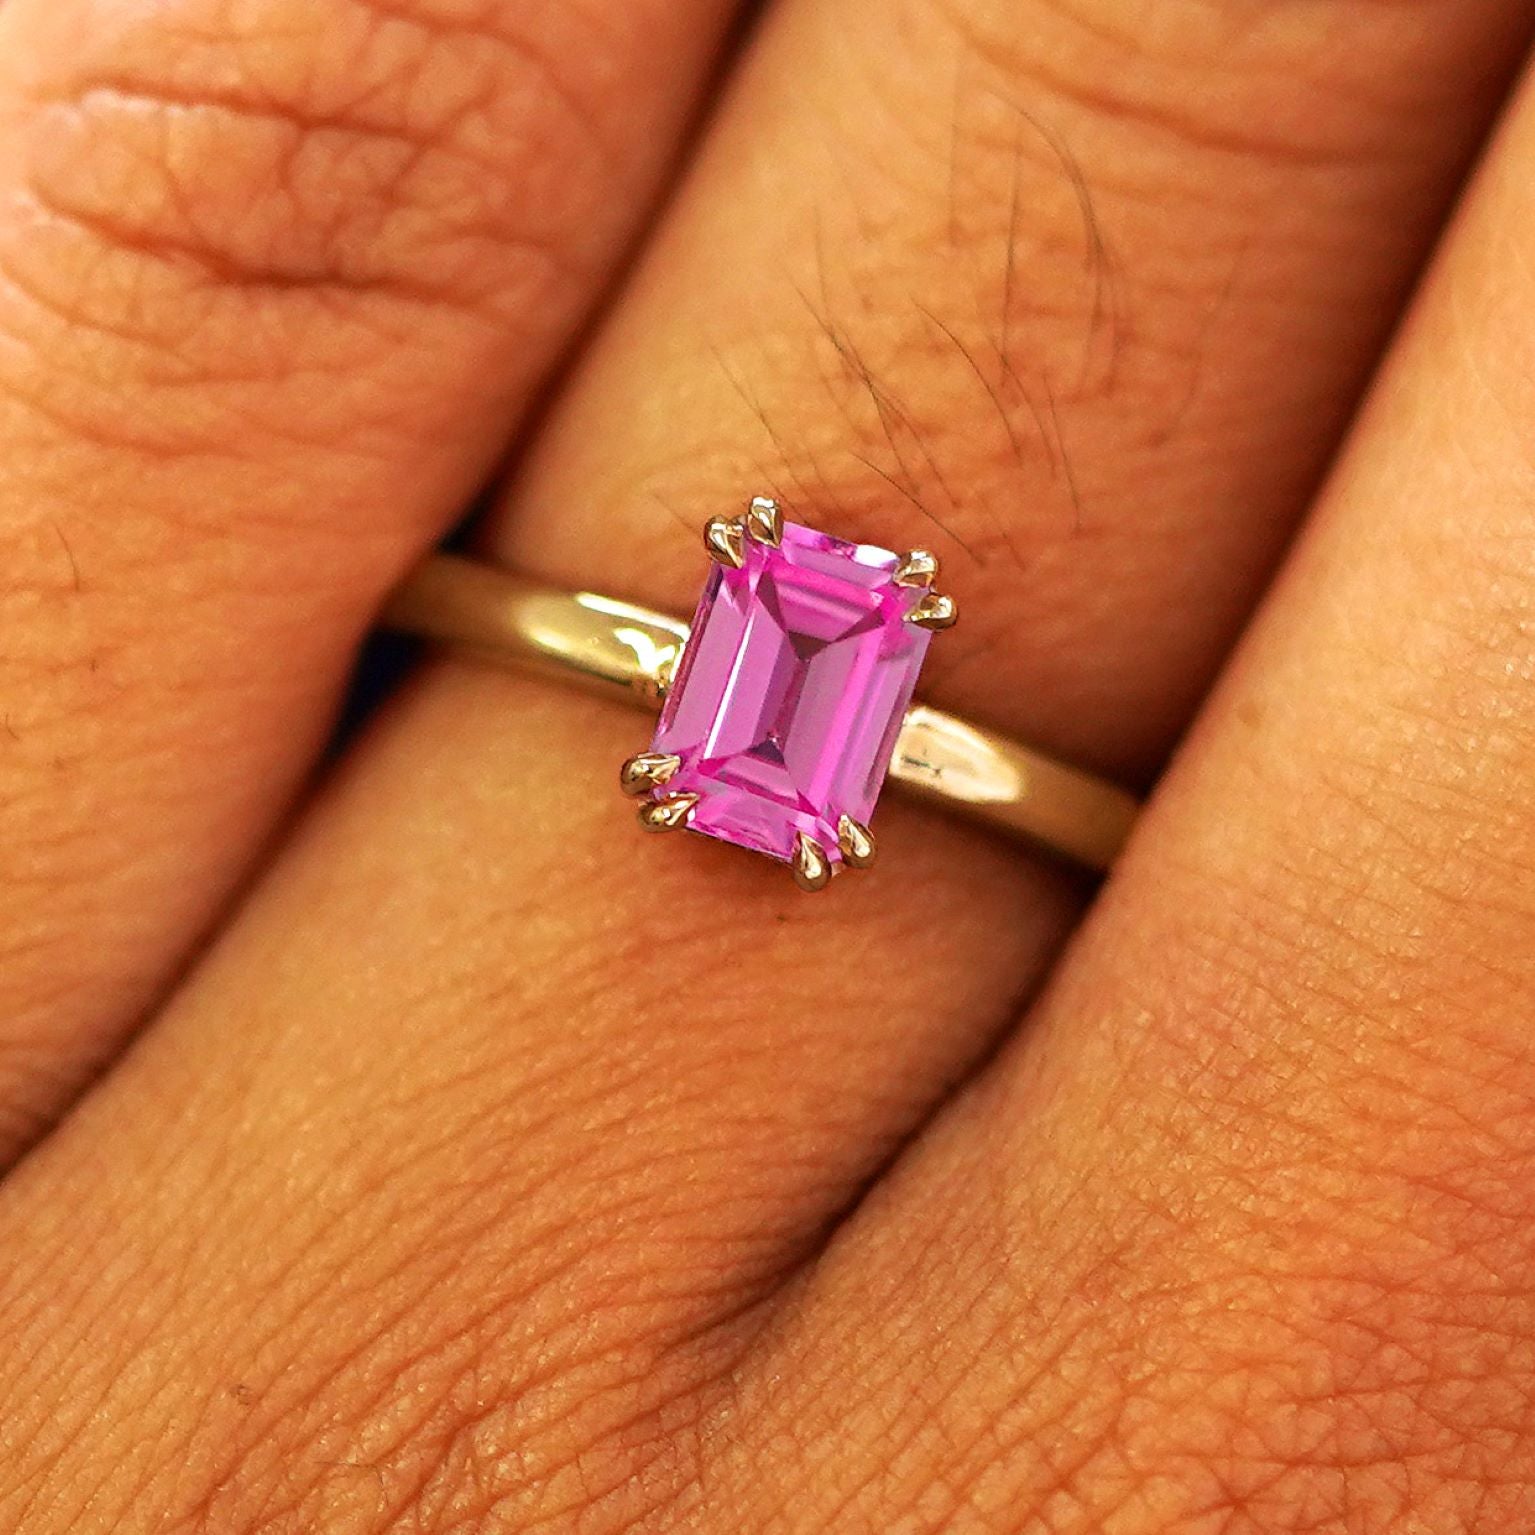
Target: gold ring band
{"x":629,"y":652}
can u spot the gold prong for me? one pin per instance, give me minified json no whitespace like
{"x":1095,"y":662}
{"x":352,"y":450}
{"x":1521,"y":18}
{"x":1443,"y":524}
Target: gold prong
{"x":669,"y":813}
{"x":764,"y":521}
{"x":812,"y":868}
{"x":726,"y":541}
{"x":665,"y":675}
{"x":919,"y":568}
{"x":649,"y":770}
{"x":857,"y":843}
{"x":935,"y":612}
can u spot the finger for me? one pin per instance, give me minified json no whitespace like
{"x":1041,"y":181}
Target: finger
{"x":1082,"y":304}
{"x":511,"y":1128}
{"x":1239,"y":1238}
{"x":276,"y":281}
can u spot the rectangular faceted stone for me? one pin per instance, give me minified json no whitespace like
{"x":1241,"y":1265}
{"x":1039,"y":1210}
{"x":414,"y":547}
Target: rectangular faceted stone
{"x":791,"y":691}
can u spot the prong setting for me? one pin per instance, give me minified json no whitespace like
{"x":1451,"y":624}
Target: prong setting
{"x":666,"y":674}
{"x":856,"y":842}
{"x":764,"y":521}
{"x":812,"y":868}
{"x":935,"y":612}
{"x":839,"y":629}
{"x":918,"y":568}
{"x":669,"y":813}
{"x":648,"y":771}
{"x":726,"y":542}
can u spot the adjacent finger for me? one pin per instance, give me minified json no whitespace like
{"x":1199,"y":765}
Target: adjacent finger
{"x":276,"y":282}
{"x":1239,"y":1237}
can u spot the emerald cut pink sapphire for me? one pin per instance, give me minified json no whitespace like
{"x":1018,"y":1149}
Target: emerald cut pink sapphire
{"x":791,"y":691}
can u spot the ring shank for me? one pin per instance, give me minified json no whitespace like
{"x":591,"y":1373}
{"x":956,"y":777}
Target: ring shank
{"x":630,"y":652}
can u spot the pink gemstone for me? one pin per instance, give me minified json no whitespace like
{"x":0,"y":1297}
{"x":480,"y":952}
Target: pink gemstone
{"x":791,"y":692}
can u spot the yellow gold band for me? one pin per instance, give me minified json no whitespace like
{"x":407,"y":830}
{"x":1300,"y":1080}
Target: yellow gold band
{"x":629,"y":652}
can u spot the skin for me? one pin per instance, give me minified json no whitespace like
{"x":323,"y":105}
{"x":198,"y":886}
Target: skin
{"x":460,"y":1161}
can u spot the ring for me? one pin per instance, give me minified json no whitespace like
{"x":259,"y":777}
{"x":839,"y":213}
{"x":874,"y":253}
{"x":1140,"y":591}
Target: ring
{"x":786,"y":703}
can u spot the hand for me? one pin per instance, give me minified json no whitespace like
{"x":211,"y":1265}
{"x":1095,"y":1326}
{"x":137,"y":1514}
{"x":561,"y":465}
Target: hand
{"x":477,"y":1165}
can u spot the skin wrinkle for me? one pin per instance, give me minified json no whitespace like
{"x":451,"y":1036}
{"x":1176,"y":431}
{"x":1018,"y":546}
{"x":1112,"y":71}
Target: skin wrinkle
{"x":414,"y":1364}
{"x":1239,"y":1417}
{"x":546,"y":64}
{"x":415,"y":143}
{"x":152,"y":439}
{"x":324,"y":260}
